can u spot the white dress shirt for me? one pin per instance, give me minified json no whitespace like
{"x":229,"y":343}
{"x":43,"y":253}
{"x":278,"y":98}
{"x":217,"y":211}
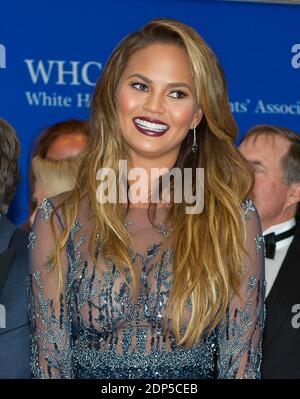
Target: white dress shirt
{"x":273,"y":265}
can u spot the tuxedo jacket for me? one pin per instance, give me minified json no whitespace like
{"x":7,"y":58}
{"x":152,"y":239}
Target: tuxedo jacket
{"x":281,"y":339}
{"x":14,"y":326}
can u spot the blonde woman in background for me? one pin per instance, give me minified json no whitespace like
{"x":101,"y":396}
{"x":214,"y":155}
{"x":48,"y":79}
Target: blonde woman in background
{"x":145,"y":290}
{"x":53,"y":177}
{"x":62,"y":140}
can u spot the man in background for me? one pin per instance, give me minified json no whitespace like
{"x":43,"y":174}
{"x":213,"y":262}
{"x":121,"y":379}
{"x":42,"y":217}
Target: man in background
{"x":14,"y":326}
{"x":274,"y":154}
{"x":63,"y":140}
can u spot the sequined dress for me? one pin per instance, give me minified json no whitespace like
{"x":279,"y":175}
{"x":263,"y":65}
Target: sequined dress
{"x":95,"y":329}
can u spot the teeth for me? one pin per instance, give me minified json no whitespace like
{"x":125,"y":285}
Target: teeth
{"x":157,"y":127}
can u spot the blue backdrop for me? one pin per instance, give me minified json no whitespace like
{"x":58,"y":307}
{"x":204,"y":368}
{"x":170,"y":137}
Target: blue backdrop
{"x":52,"y":52}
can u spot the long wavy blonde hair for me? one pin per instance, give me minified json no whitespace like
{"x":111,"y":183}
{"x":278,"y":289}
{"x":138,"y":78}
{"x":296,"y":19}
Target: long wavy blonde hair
{"x":207,"y":247}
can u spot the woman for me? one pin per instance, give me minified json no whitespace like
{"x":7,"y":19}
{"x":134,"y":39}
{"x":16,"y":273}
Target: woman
{"x":63,"y":140}
{"x":139,"y":291}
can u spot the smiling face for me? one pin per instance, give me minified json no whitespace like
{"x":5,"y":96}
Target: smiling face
{"x":156,"y":104}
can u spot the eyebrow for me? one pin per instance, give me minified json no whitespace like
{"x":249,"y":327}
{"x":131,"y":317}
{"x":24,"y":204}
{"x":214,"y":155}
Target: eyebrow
{"x":171,"y":84}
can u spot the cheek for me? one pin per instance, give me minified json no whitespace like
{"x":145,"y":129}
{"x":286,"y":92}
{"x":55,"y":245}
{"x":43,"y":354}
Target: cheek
{"x":182,"y":115}
{"x":262,"y":188}
{"x":126,"y":102}
{"x":262,"y":193}
{"x":261,"y":183}
{"x":268,"y":190}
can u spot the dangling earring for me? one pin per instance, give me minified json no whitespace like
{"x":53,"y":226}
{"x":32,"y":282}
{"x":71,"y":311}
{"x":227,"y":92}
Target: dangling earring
{"x":195,"y":145}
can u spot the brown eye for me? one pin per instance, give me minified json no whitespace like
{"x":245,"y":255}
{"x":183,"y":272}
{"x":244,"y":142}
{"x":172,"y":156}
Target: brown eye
{"x":178,"y":94}
{"x":139,"y":86}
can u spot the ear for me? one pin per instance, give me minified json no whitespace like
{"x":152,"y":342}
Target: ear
{"x":197,"y":118}
{"x":294,"y":194}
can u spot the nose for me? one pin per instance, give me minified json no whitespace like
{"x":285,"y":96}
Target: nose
{"x":155,"y":103}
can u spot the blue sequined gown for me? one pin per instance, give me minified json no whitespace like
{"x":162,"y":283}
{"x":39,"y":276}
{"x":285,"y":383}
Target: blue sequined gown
{"x":97,"y":329}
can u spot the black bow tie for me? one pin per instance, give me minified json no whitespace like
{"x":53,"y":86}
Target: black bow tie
{"x":272,"y":238}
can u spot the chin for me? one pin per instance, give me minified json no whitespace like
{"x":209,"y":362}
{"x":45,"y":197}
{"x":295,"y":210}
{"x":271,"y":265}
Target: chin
{"x":148,"y":148}
{"x":149,"y":152}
